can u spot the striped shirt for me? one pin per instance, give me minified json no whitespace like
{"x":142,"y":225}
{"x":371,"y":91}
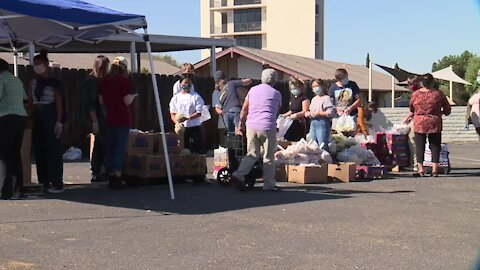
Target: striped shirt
{"x":12,"y":95}
{"x":47,"y":95}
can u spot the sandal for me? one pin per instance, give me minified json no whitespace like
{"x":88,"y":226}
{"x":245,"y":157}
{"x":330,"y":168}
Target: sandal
{"x":419,"y":174}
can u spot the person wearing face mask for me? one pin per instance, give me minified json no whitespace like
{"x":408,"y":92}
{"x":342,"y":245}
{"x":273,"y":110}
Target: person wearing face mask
{"x":48,"y":115}
{"x":473,"y":109}
{"x":187,"y":70}
{"x":186,"y":109}
{"x":345,"y":94}
{"x":13,"y":120}
{"x":320,"y":112}
{"x":116,"y":97}
{"x":229,"y":98}
{"x":299,"y":105}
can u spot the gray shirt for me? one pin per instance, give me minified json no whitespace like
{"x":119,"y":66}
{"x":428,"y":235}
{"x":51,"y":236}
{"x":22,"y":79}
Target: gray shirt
{"x":231,"y":100}
{"x":216,"y":104}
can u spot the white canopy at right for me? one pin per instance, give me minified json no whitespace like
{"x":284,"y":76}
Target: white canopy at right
{"x":447,"y":74}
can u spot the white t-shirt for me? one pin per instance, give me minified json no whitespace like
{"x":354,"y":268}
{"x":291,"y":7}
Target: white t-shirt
{"x":177,"y":88}
{"x":187,"y":104}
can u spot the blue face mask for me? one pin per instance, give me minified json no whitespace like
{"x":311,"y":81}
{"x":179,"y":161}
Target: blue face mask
{"x":345,"y":81}
{"x":296,"y":92}
{"x":478,"y":79}
{"x":318,"y":91}
{"x":186,"y":87}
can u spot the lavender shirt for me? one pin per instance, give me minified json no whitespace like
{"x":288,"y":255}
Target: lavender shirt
{"x":264,"y":103}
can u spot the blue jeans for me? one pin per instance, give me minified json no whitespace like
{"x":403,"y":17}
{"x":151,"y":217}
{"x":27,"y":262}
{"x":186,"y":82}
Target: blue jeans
{"x":117,"y":139}
{"x":320,"y":131}
{"x":232,"y":118}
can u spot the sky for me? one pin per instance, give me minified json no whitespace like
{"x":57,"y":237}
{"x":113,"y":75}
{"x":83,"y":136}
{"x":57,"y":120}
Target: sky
{"x":412,"y":33}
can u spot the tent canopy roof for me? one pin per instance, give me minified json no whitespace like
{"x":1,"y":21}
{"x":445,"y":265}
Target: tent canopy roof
{"x":447,"y":74}
{"x":54,"y":23}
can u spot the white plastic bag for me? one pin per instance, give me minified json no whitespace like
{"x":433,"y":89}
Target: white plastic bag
{"x":283,"y":124}
{"x":345,"y":124}
{"x":205,"y":114}
{"x":72,"y":154}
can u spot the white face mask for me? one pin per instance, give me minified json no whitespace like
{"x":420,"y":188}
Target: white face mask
{"x":39,"y":69}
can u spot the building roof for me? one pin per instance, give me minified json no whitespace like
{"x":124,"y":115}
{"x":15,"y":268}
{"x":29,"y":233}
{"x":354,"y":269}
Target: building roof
{"x":308,"y":68}
{"x":85,"y":61}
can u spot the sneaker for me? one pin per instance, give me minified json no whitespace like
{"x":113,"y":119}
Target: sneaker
{"x":99,"y":179}
{"x":55,"y":190}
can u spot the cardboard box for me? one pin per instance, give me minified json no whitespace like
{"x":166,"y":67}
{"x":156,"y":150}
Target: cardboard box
{"x":316,"y":174}
{"x":174,"y":143}
{"x":343,"y":171}
{"x":153,"y":166}
{"x":26,"y":152}
{"x":393,"y":139}
{"x":178,"y":165}
{"x":372,"y":172}
{"x":139,"y":143}
{"x":220,"y":158}
{"x":196,"y":165}
{"x":281,"y":173}
{"x":133,"y":165}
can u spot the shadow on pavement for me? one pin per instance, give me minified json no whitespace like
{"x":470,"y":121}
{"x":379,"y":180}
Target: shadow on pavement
{"x":206,"y":198}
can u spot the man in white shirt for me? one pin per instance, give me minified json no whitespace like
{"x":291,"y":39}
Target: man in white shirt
{"x":185,"y":109}
{"x":187,"y":69}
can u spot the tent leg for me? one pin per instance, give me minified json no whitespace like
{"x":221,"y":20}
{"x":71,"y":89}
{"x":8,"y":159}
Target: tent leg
{"x":159,"y":112}
{"x":451,"y":91}
{"x":31,"y":52}
{"x":370,"y":81}
{"x":213,"y":61}
{"x":393,"y":90}
{"x":133,"y":57}
{"x":15,"y":62}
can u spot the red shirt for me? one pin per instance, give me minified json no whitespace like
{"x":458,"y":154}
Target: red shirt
{"x":428,"y":108}
{"x":112,"y":91}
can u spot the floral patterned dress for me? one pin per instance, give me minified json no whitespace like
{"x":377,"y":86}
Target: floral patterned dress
{"x":428,"y":108}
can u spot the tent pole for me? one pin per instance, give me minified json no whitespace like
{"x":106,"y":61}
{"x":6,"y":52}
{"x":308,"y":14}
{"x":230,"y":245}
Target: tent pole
{"x":31,"y":52}
{"x":370,"y":81}
{"x":15,"y":62}
{"x":451,"y":91}
{"x":393,"y":90}
{"x":213,"y":61}
{"x":159,"y":112}
{"x":133,"y":57}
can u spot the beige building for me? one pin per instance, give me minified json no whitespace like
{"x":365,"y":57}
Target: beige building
{"x":284,"y":26}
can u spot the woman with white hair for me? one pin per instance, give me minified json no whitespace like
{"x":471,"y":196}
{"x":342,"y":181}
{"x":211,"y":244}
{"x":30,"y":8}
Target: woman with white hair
{"x":259,"y":114}
{"x":116,"y":97}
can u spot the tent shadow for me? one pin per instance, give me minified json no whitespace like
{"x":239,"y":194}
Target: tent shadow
{"x":206,"y":198}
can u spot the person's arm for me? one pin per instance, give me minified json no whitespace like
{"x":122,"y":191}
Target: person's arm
{"x":173,"y":117}
{"x":198,"y":108}
{"x":173,"y":110}
{"x":59,"y":109}
{"x":361,"y":121}
{"x":305,"y":108}
{"x":243,"y":115}
{"x":218,"y":110}
{"x":246,"y":82}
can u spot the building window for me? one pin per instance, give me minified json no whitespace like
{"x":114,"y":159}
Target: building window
{"x":247,"y":2}
{"x":316,"y":9}
{"x":247,"y":20}
{"x":316,"y":37}
{"x":252,"y":41}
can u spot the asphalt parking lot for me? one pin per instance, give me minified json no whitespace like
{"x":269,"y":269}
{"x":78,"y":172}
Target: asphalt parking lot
{"x":398,"y":223}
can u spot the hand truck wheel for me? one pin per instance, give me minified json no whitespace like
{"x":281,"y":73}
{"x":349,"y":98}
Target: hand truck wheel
{"x":224,"y":177}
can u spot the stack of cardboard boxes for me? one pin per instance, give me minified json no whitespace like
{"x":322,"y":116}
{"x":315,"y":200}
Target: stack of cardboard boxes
{"x":145,"y":157}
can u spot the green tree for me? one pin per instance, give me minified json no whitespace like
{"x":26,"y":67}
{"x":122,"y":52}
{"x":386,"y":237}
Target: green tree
{"x":459,"y":64}
{"x":168,"y":59}
{"x":471,"y":75}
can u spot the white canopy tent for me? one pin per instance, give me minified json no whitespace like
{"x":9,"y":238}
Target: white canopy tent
{"x":63,"y":25}
{"x":447,"y":74}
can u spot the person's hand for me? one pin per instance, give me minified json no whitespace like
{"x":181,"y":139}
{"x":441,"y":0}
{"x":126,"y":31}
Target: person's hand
{"x":95,"y":128}
{"x":466,"y":127}
{"x":308,"y":114}
{"x":407,"y":119}
{"x":182,"y":119}
{"x":58,"y":130}
{"x":347,"y":111}
{"x":238,"y":131}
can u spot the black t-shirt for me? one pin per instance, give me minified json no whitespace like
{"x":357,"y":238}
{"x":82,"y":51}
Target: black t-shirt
{"x":296,"y":103}
{"x":344,"y":96}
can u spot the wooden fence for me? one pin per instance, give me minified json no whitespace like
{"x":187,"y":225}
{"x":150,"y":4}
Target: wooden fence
{"x":144,"y":113}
